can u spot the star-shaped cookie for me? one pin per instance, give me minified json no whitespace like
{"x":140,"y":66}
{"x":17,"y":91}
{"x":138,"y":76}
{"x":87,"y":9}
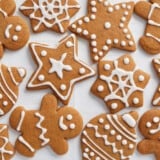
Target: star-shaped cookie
{"x":120,"y":84}
{"x":156,"y":97}
{"x":106,"y":26}
{"x":58,"y":67}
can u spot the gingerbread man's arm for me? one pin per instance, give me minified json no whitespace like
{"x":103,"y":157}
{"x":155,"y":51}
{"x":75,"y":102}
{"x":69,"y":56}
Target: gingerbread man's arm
{"x":142,"y":8}
{"x":149,"y":147}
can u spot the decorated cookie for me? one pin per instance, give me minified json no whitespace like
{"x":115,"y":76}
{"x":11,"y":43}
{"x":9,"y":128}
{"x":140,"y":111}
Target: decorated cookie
{"x":149,"y":126}
{"x":109,"y":137}
{"x":10,"y":78}
{"x":58,"y":67}
{"x":150,"y":11}
{"x":50,"y":14}
{"x":14,"y":32}
{"x":120,"y":84}
{"x":106,"y":26}
{"x":51,"y":125}
{"x":6,"y":149}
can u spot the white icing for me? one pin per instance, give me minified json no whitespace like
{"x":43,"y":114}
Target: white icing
{"x":107,"y":127}
{"x":69,"y":44}
{"x":7,"y":30}
{"x":131,"y":146}
{"x":63,"y":87}
{"x":141,"y":78}
{"x":157,"y":61}
{"x":72,"y":126}
{"x":69,"y":117}
{"x":101,"y":120}
{"x":61,"y":124}
{"x":156,"y":101}
{"x":43,"y":130}
{"x":123,"y":43}
{"x":107,"y":25}
{"x":18,"y":28}
{"x":58,"y":66}
{"x":20,"y":121}
{"x":12,"y":77}
{"x":118,"y":137}
{"x":22,"y":72}
{"x":115,"y":41}
{"x":15,"y":38}
{"x":136,"y":101}
{"x":124,"y":142}
{"x":131,"y":122}
{"x":5,"y":103}
{"x":41,"y":77}
{"x":156,"y":119}
{"x":100,"y":88}
{"x":107,"y":67}
{"x":112,"y":132}
{"x":82,"y":71}
{"x":114,"y":105}
{"x":110,"y":9}
{"x":49,"y":17}
{"x":1,"y":112}
{"x":155,"y":131}
{"x":43,"y":53}
{"x":126,"y":61}
{"x":148,"y":124}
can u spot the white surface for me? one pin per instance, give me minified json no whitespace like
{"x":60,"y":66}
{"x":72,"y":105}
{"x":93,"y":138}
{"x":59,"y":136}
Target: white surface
{"x":87,"y":104}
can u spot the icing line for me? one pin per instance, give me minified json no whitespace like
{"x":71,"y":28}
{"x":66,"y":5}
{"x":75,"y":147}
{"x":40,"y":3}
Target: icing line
{"x":21,"y":121}
{"x":12,"y":77}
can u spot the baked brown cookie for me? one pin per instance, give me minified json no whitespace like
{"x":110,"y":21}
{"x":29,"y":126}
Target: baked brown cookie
{"x":50,"y":14}
{"x":105,"y":27}
{"x":58,"y":67}
{"x":120,"y":84}
{"x":51,"y":125}
{"x":14,"y":32}
{"x":109,"y":137}
{"x":149,"y":126}
{"x":150,"y":11}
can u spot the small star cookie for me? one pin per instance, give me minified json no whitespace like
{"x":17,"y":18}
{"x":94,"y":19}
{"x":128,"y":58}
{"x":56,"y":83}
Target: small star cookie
{"x":120,"y":84}
{"x":105,"y":27}
{"x":50,"y":14}
{"x":58,"y":67}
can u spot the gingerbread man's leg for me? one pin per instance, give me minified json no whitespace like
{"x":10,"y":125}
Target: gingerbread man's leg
{"x":149,"y":147}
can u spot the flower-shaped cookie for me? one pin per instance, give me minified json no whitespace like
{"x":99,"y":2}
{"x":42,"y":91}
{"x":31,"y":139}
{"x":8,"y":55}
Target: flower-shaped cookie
{"x":14,"y":32}
{"x":120,"y":84}
{"x":50,"y":14}
{"x":105,"y":27}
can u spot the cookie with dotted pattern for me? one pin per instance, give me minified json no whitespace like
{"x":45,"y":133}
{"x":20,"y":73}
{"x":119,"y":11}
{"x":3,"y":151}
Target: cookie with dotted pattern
{"x":120,"y":83}
{"x":106,"y":26}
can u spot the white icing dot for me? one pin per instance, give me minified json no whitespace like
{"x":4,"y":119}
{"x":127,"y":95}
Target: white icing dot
{"x":101,"y":120}
{"x":94,"y":9}
{"x":82,"y":70}
{"x":123,"y":43}
{"x":128,"y":36}
{"x":107,"y":25}
{"x":80,"y":22}
{"x":93,"y":17}
{"x":15,"y":38}
{"x":96,"y":58}
{"x":73,"y":26}
{"x":93,"y":43}
{"x":95,"y":50}
{"x":129,"y":7}
{"x":141,"y":78}
{"x":43,"y":53}
{"x":135,"y":100}
{"x":5,"y":103}
{"x":118,"y":137}
{"x":93,"y":36}
{"x":126,"y":61}
{"x":85,"y":32}
{"x":105,"y":48}
{"x":63,"y":87}
{"x":126,"y":13}
{"x":107,"y":127}
{"x":114,"y":105}
{"x":92,"y":154}
{"x":98,"y":158}
{"x":69,"y":117}
{"x":121,"y":25}
{"x":86,"y":19}
{"x":107,"y":67}
{"x":72,"y":126}
{"x":86,"y":149}
{"x":148,"y":124}
{"x":156,"y":119}
{"x":69,"y":44}
{"x":115,"y":41}
{"x":124,"y":142}
{"x":100,"y":88}
{"x":1,"y":96}
{"x":110,"y":9}
{"x":123,"y":19}
{"x":106,"y":3}
{"x":131,"y":43}
{"x":112,"y":132}
{"x":108,"y":41}
{"x":117,"y":7}
{"x":125,"y":30}
{"x":100,"y":53}
{"x":93,"y":3}
{"x":41,"y":77}
{"x":123,"y":5}
{"x":18,"y":28}
{"x":131,"y":146}
{"x":79,"y":30}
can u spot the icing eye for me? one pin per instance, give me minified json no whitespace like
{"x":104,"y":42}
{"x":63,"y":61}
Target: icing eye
{"x":156,"y":119}
{"x":15,"y":38}
{"x":69,"y":117}
{"x":148,"y":124}
{"x":72,"y":126}
{"x":18,"y":28}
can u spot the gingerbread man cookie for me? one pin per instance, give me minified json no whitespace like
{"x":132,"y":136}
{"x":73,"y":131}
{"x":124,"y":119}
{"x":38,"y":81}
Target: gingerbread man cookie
{"x":14,"y":32}
{"x":58,"y":67}
{"x":51,"y":125}
{"x":110,"y":137}
{"x":149,"y":126}
{"x":105,"y":27}
{"x":10,"y":78}
{"x":150,"y":11}
{"x":120,"y":84}
{"x":50,"y":14}
{"x":6,"y":148}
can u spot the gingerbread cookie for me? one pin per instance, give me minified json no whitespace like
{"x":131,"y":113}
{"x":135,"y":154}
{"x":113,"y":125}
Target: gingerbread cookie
{"x":14,"y":32}
{"x":150,"y":11}
{"x":10,"y":78}
{"x":51,"y":125}
{"x":106,"y":26}
{"x":109,"y":137}
{"x":120,"y":84}
{"x":50,"y":14}
{"x":58,"y":67}
{"x":149,"y":126}
{"x":6,"y":149}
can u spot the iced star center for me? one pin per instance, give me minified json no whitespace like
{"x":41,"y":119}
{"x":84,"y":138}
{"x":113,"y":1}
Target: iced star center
{"x":58,"y":66}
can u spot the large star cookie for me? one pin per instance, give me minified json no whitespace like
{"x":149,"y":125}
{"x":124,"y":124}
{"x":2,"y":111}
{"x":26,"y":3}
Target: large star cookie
{"x":120,"y":84}
{"x":50,"y":14}
{"x":106,"y":26}
{"x":59,"y":67}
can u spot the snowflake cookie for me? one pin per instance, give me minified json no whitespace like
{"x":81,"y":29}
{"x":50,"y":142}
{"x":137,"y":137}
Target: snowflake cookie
{"x":109,"y":137}
{"x":58,"y":67}
{"x":120,"y":84}
{"x":50,"y":14}
{"x":10,"y":78}
{"x":51,"y":125}
{"x":14,"y":32}
{"x":149,"y":126}
{"x":6,"y":148}
{"x":106,"y":26}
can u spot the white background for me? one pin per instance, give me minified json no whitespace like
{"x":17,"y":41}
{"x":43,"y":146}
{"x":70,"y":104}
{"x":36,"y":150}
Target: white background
{"x":86,"y":103}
